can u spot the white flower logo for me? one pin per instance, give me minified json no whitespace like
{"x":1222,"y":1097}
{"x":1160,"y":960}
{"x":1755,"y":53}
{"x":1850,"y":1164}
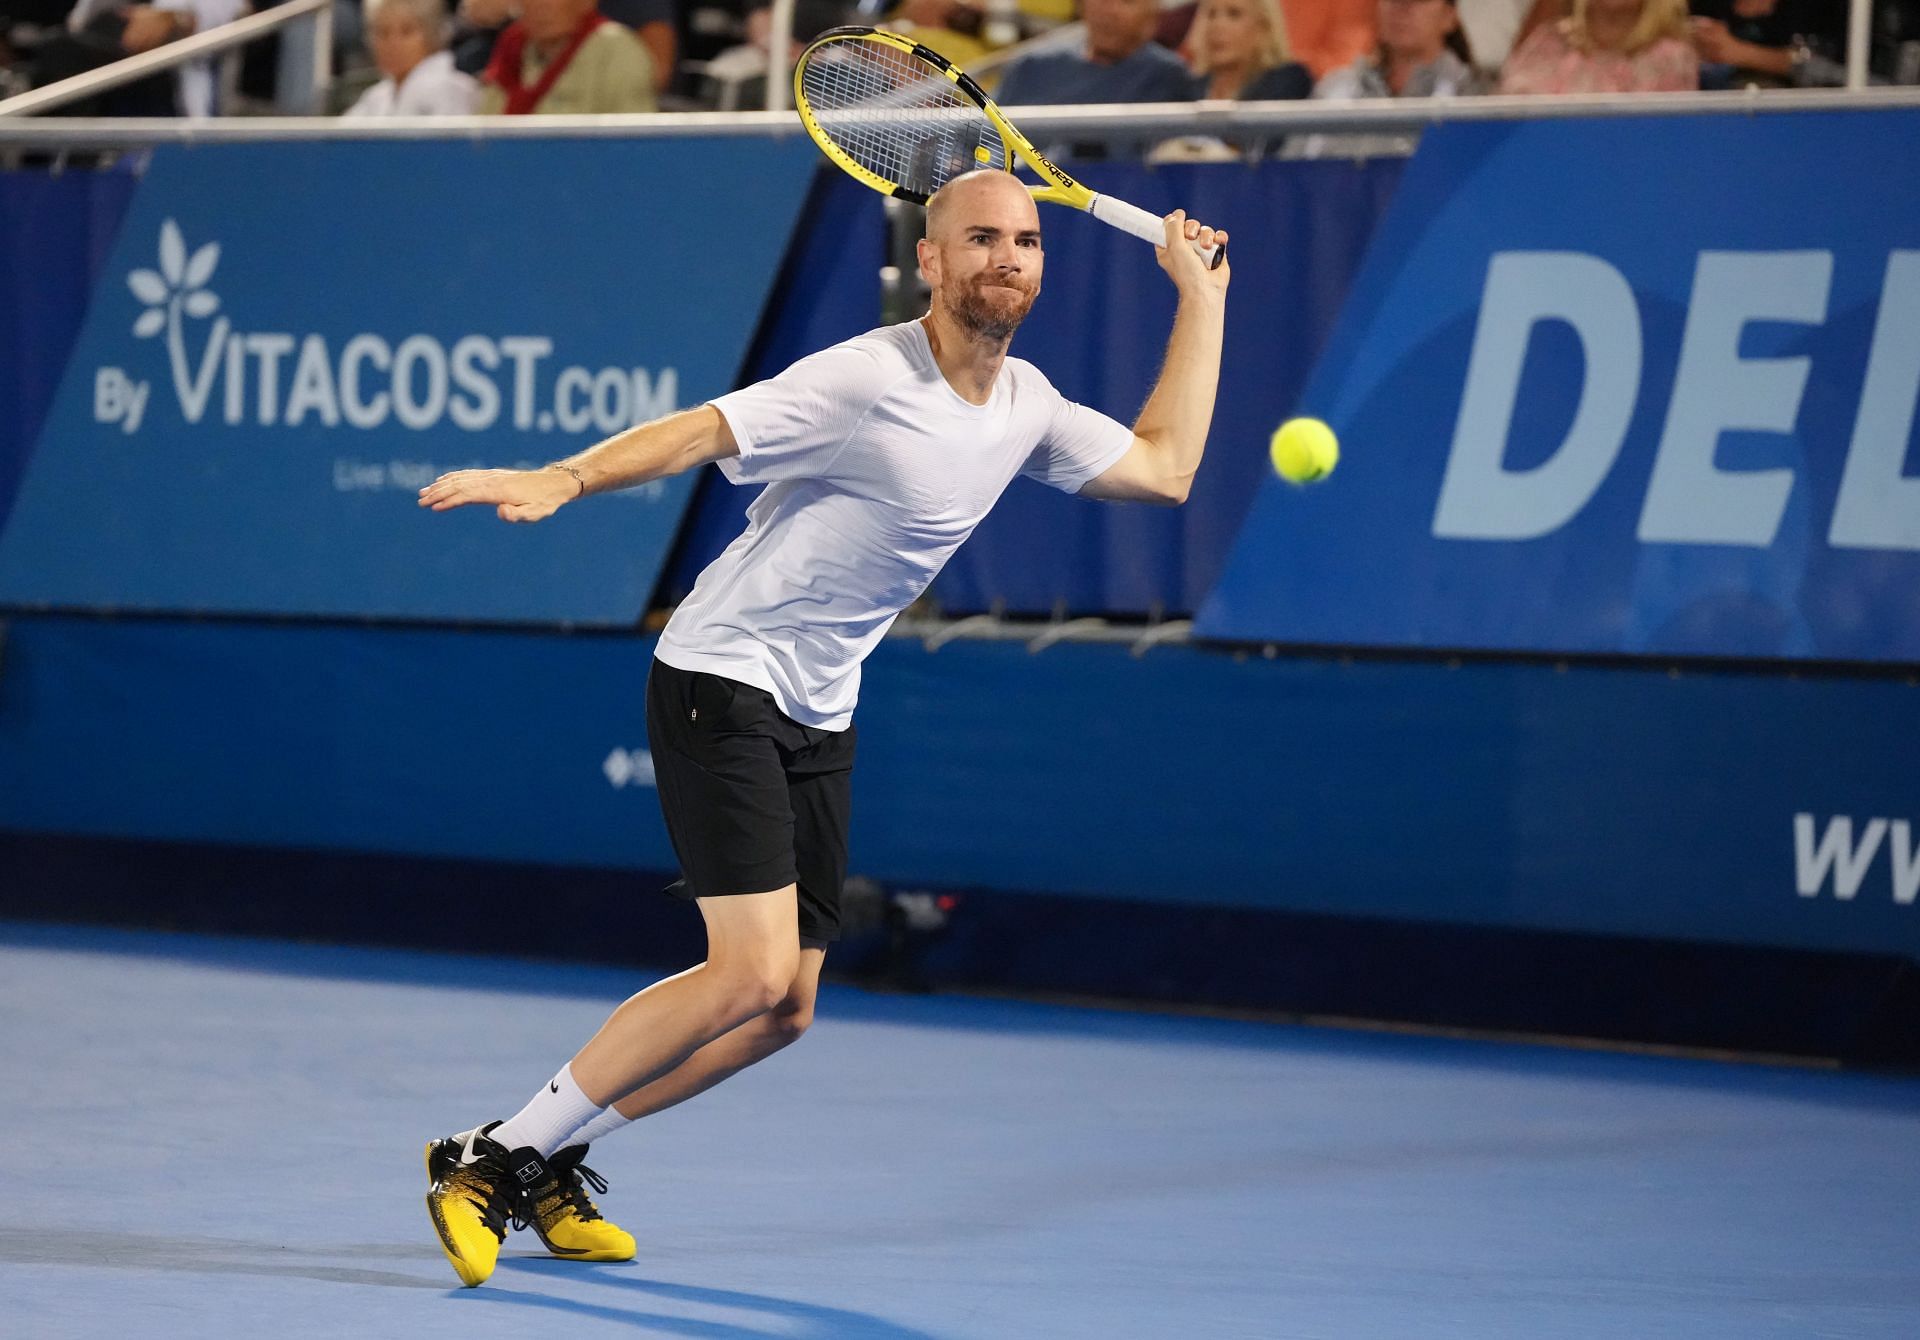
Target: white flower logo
{"x":178,"y":285}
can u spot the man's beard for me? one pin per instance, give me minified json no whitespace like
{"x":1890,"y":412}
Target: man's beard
{"x":989,"y":319}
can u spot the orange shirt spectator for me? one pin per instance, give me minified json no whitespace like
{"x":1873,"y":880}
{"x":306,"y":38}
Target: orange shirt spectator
{"x":1325,"y":35}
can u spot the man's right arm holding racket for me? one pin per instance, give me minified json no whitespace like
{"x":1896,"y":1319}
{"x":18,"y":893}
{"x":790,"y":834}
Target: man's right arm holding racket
{"x":1171,"y":432}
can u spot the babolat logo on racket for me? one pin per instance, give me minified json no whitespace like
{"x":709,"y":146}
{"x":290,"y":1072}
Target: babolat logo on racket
{"x":1054,"y":168}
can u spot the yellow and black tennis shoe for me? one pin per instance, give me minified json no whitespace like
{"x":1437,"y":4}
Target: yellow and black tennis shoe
{"x":566,"y":1218}
{"x":478,"y":1187}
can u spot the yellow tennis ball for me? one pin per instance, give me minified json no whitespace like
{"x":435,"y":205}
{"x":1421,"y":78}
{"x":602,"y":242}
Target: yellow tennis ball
{"x":1304,"y":450}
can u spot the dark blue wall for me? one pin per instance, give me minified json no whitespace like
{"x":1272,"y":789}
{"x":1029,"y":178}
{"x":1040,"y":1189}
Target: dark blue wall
{"x":1619,"y":801}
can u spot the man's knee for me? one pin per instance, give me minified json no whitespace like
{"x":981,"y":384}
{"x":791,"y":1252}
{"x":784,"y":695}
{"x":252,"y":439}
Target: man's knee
{"x":758,"y":980}
{"x":752,"y":948}
{"x":790,"y":1018}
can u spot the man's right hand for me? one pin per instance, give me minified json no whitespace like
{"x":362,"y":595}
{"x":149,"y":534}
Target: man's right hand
{"x":1183,"y":265}
{"x":518,"y":495}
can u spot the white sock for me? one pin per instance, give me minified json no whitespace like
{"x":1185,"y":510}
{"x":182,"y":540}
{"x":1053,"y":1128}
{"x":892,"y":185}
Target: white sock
{"x":606,"y":1123}
{"x":546,"y":1123}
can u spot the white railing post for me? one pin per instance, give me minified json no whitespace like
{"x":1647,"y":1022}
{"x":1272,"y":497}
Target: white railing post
{"x":306,"y":65}
{"x":322,"y":56}
{"x":1859,"y":39}
{"x":293,"y":71}
{"x":779,"y":56}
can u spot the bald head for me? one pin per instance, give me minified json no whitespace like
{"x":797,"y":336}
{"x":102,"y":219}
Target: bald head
{"x":976,"y":197}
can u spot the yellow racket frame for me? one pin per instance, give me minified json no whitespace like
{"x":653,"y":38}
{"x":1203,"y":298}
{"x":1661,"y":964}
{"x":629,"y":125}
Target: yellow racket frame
{"x":1056,"y":188}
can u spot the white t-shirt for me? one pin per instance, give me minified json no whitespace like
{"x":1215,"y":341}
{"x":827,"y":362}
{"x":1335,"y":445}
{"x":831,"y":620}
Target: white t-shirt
{"x":877,"y":471}
{"x":1491,"y":27}
{"x":433,"y":88}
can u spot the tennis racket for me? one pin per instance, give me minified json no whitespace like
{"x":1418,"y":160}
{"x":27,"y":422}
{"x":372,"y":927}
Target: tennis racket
{"x":905,"y":120}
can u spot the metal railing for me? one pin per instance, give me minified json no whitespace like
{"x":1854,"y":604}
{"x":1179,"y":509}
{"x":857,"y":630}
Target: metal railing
{"x":304,"y":74}
{"x":1226,"y":120}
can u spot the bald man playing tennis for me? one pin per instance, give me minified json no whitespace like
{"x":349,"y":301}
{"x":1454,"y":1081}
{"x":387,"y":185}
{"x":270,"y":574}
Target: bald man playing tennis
{"x":880,"y":455}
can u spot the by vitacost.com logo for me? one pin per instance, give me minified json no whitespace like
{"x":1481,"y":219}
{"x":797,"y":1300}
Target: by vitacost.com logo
{"x":366,"y":380}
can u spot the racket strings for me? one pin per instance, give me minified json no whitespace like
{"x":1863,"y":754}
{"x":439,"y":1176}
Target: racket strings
{"x":895,"y":117}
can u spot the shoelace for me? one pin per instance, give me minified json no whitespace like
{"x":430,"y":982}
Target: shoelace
{"x":496,"y":1204}
{"x":576,"y":1194}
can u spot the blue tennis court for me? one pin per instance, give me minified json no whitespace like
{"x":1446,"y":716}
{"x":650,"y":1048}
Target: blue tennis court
{"x":223,"y":1136}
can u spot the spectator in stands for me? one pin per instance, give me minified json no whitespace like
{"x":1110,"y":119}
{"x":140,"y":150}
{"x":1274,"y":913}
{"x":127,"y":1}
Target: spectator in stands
{"x":408,"y":40}
{"x":1494,"y":28}
{"x":957,"y":29}
{"x":476,"y":28}
{"x":1607,"y":46}
{"x":992,"y":23}
{"x":1322,"y":35}
{"x":1773,"y":43}
{"x":1120,"y":63}
{"x":1421,"y":54}
{"x":481,"y":22}
{"x":1240,"y":53}
{"x":965,"y":30}
{"x":1895,"y":52}
{"x":1329,"y":35}
{"x":652,"y":22}
{"x":810,"y":19}
{"x":1238,"y":50}
{"x":100,"y":32}
{"x":736,"y":77}
{"x":24,"y":25}
{"x":562,"y":57}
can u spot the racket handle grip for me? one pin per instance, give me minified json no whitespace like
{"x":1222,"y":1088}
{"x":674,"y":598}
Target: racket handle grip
{"x":1147,"y":227}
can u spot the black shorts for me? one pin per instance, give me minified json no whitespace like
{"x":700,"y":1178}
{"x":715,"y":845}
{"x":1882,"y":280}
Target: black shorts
{"x":754,"y":800}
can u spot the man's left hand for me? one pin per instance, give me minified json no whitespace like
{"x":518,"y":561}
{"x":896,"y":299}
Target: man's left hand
{"x":1183,"y":264}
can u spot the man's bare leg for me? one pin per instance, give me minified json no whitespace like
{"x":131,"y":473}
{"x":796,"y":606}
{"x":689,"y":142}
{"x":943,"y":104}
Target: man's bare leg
{"x":481,"y":1176}
{"x":733,"y":1052}
{"x":753,"y":961}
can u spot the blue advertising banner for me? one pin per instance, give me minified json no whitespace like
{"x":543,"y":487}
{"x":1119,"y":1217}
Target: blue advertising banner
{"x":291,"y":339}
{"x":1636,"y":386}
{"x":56,"y":233}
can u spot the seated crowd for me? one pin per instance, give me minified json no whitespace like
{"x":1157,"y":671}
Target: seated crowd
{"x":515,"y":57}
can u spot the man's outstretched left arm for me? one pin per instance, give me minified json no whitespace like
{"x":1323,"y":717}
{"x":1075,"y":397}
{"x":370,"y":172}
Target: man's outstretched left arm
{"x":1171,"y":432}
